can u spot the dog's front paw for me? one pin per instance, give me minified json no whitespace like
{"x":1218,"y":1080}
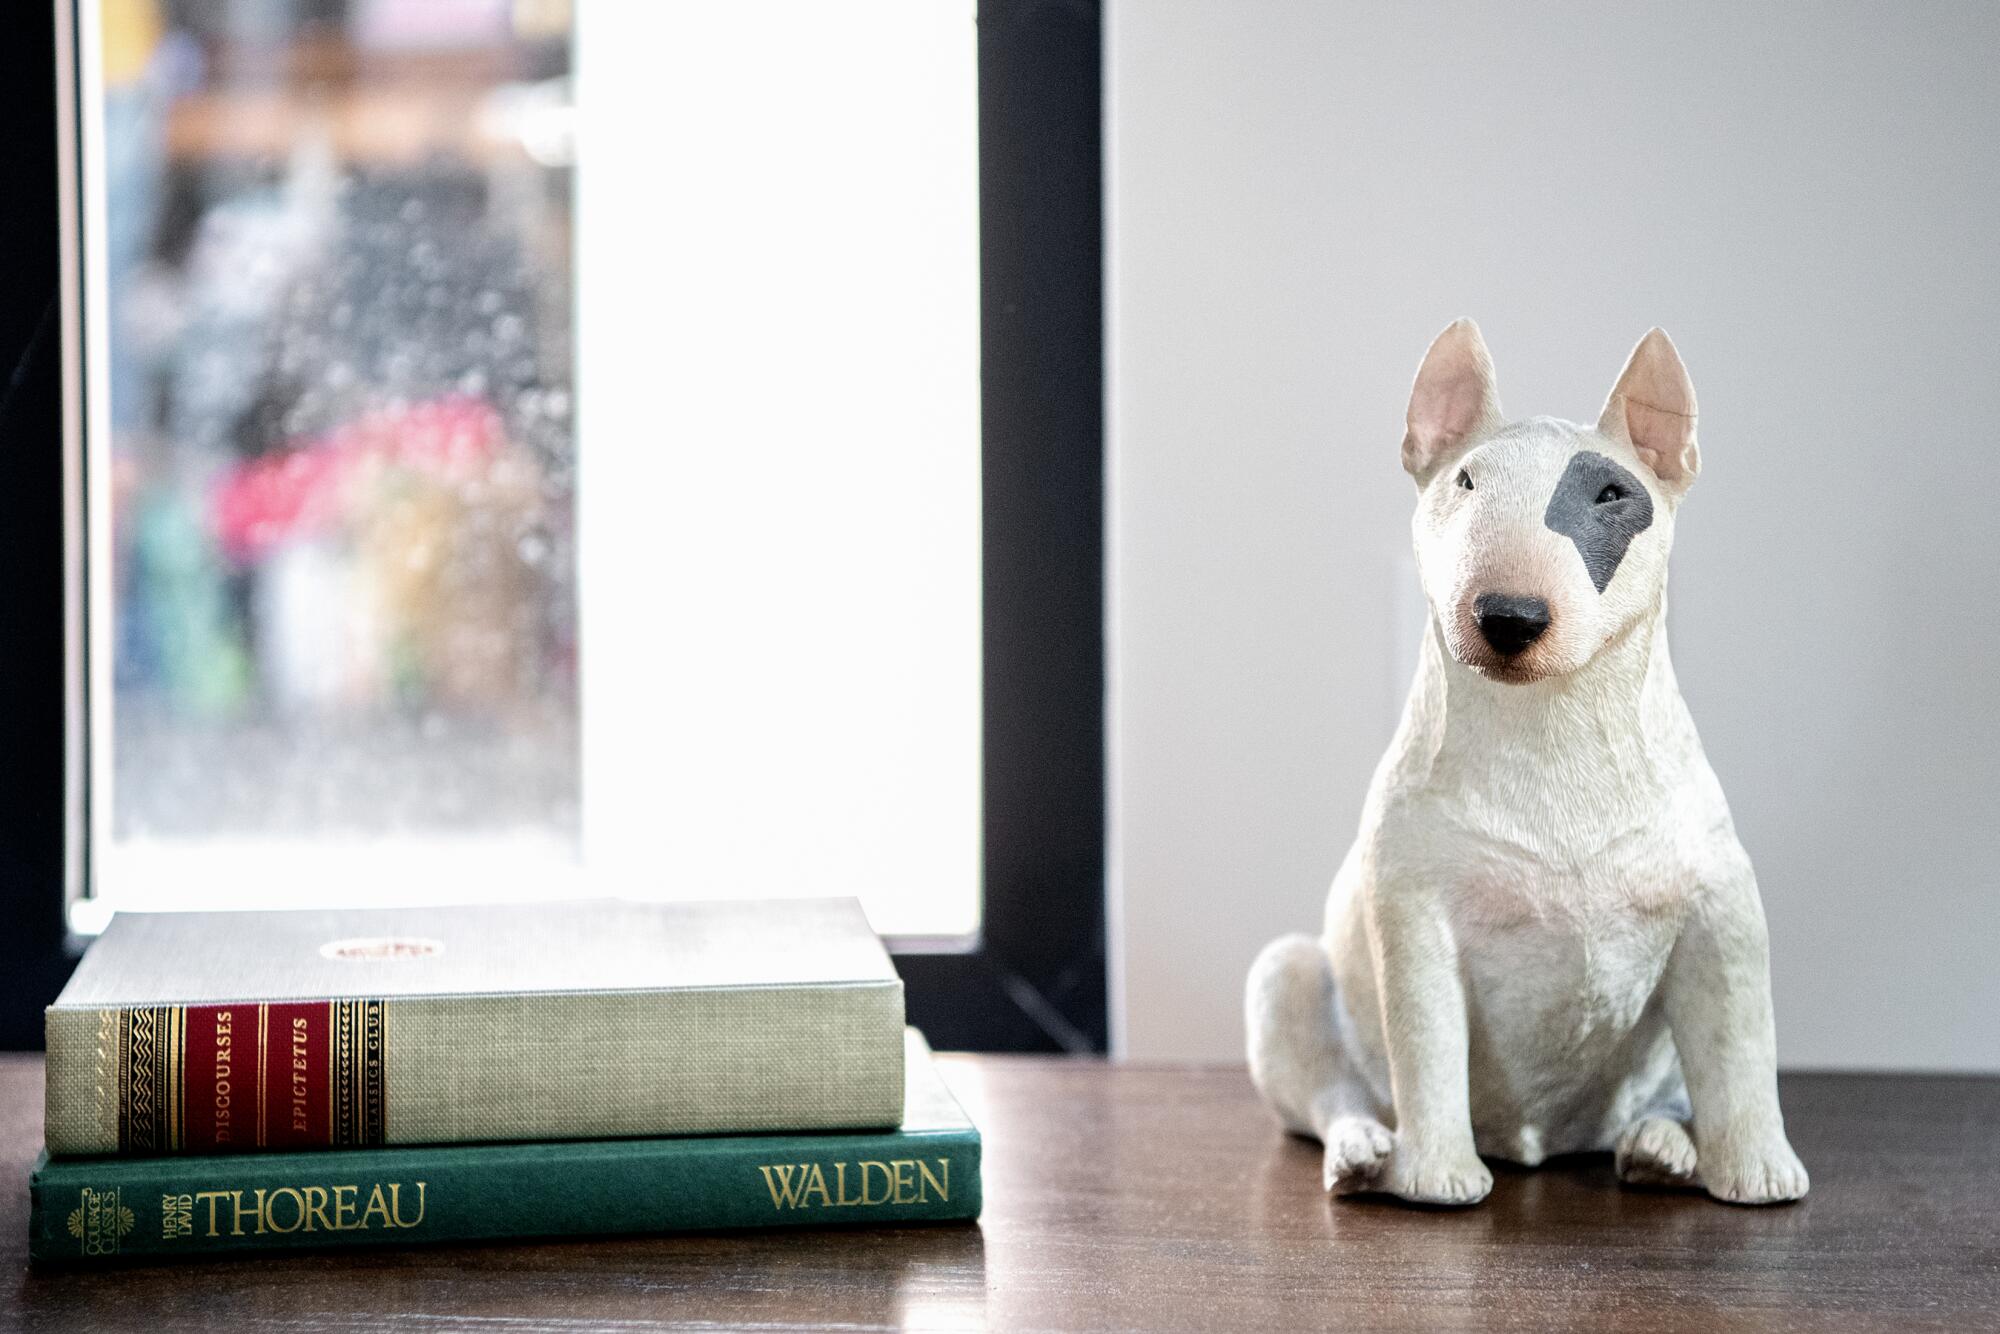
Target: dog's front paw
{"x":1454,"y":1178}
{"x":1356,"y":1148}
{"x":1768,"y":1173}
{"x":1656,"y":1151}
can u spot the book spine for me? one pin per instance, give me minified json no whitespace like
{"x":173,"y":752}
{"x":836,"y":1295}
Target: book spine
{"x":221,"y":1078}
{"x":94,"y":1211}
{"x":362,"y":1073}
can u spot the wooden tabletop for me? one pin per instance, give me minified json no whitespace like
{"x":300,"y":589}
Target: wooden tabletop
{"x":1142,"y":1197}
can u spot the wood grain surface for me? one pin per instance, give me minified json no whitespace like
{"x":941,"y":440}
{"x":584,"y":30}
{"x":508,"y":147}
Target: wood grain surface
{"x":1163,"y":1198}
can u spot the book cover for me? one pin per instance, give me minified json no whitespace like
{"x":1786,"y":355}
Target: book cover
{"x":260,"y":1031}
{"x":88,"y":1210}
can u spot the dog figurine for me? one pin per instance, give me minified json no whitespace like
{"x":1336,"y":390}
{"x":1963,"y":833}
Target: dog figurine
{"x":1546,"y":938}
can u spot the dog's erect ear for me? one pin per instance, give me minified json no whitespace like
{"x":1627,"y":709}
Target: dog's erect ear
{"x":1453,"y":401}
{"x":1652,"y":408}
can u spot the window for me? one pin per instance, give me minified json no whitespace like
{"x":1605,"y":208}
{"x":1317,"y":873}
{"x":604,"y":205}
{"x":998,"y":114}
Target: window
{"x":342,"y":490}
{"x":331,"y":607}
{"x":520,"y":453}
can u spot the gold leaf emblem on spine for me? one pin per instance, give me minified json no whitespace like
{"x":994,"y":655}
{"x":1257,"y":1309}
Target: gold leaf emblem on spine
{"x":152,"y":1079}
{"x":100,"y":1221}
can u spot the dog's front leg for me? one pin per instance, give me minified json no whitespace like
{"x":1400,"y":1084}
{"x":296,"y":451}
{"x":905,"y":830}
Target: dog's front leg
{"x":1717,"y":991}
{"x":1424,"y":1028}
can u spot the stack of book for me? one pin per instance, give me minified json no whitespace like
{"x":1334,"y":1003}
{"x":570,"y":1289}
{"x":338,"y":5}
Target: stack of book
{"x":222,"y":1083}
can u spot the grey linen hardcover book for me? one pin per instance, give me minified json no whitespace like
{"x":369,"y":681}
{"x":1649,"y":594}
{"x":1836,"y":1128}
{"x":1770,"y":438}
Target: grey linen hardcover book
{"x":254,"y":1031}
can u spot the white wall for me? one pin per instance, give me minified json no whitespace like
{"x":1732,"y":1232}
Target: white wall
{"x":1808,"y":198}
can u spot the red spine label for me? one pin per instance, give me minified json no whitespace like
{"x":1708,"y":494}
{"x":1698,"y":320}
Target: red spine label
{"x":228,"y":1078}
{"x":297,"y":1109}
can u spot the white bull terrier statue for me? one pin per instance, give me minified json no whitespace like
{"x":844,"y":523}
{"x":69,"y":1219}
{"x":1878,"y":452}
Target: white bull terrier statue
{"x":1546,"y":938}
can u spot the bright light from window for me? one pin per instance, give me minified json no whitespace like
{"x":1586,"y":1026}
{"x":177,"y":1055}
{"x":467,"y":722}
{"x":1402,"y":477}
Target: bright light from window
{"x":778,"y":304}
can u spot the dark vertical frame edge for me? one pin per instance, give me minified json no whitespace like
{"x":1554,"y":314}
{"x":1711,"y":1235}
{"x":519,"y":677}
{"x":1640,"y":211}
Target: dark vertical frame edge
{"x":1036,"y":980}
{"x":34,"y":958}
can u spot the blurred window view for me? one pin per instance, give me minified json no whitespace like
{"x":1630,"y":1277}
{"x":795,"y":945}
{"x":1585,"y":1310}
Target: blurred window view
{"x":333,"y":470}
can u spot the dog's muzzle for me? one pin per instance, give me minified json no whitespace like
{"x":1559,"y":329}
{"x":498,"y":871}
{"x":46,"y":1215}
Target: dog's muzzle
{"x":1510,"y":623}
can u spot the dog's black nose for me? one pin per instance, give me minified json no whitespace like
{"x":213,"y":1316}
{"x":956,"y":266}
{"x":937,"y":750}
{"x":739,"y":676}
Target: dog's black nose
{"x":1510,"y":623}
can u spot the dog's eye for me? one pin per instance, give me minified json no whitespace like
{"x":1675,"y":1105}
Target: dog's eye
{"x":1464,"y":479}
{"x":1609,"y":494}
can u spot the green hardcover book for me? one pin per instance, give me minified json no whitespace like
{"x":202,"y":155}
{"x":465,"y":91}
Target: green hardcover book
{"x":85,"y":1211}
{"x":260,"y":1032}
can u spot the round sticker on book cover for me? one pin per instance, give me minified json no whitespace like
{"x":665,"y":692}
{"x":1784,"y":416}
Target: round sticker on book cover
{"x":370,"y":949}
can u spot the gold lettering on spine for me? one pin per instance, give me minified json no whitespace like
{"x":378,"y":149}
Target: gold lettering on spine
{"x":778,"y":1180}
{"x":376,"y":1030}
{"x":301,"y":1062}
{"x":100,"y":1220}
{"x":898,"y":1181}
{"x":381,"y":1072}
{"x":396,"y":1205}
{"x":940,"y":1183}
{"x":271,"y":1209}
{"x":903,"y":1178}
{"x":285,"y":1209}
{"x":176,"y":1216}
{"x":210,"y":1197}
{"x":359,"y":1099}
{"x":221,"y":1077}
{"x":256,"y":1211}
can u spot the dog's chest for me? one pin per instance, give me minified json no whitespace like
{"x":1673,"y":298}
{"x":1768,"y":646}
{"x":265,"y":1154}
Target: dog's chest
{"x":1561,"y":969}
{"x":1561,"y":961}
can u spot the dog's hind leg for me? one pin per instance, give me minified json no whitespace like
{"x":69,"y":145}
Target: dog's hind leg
{"x":1291,"y":1009}
{"x":1656,"y":1151}
{"x":1657,"y":1148}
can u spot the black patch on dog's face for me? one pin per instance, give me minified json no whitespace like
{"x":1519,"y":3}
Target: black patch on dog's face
{"x":1600,"y":507}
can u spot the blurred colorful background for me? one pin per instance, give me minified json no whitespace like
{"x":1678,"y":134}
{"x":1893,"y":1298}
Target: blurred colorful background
{"x":337,"y":268}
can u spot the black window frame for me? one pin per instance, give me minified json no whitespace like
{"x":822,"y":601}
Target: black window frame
{"x":1034,"y":979}
{"x":33,"y":804}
